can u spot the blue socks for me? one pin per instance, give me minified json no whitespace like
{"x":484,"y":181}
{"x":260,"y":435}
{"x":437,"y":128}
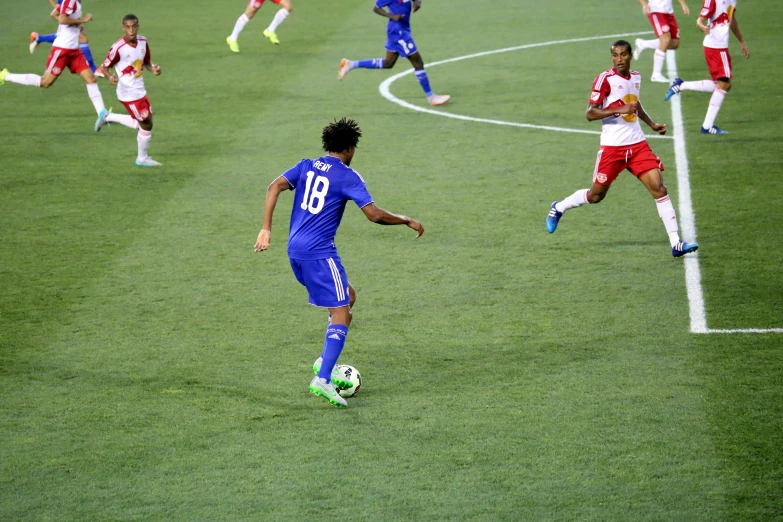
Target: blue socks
{"x":333,"y":346}
{"x":84,"y":47}
{"x":374,"y":63}
{"x":46,"y":38}
{"x":424,"y":82}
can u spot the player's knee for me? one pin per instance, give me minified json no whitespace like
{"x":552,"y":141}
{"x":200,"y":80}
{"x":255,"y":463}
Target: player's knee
{"x":674,"y":44}
{"x":595,"y":198}
{"x":388,"y":63}
{"x":46,"y":82}
{"x":250,"y":12}
{"x":725,"y":85}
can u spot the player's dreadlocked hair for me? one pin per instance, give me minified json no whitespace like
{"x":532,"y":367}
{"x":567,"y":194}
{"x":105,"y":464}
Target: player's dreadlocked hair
{"x":623,"y":43}
{"x":341,"y":135}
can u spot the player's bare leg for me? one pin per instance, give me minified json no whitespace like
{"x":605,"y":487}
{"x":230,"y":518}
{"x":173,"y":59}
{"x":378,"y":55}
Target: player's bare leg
{"x":653,"y":180}
{"x":242,"y":21}
{"x":421,"y":75}
{"x":280,"y":16}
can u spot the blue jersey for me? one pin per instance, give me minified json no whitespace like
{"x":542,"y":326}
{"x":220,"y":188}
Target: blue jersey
{"x":323,"y":186}
{"x":402,"y":7}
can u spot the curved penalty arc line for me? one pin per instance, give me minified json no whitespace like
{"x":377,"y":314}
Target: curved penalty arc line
{"x":385,"y":91}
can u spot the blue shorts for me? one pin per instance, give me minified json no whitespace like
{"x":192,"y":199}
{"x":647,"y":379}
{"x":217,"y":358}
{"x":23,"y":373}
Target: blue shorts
{"x":401,"y":42}
{"x":325,"y":280}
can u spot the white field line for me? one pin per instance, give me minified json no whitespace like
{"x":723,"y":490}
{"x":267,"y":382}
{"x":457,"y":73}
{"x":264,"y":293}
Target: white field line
{"x":386,"y":93}
{"x":698,"y":314}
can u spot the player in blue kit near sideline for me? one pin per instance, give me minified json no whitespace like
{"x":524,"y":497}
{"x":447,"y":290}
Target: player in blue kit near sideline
{"x":322,"y":188}
{"x":399,"y":41}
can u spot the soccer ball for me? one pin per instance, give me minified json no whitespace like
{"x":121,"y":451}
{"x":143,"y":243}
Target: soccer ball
{"x":349,"y":373}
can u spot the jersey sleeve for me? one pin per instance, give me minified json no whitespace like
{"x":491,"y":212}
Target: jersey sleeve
{"x":601,"y":89}
{"x":358,"y":193}
{"x":707,"y":9}
{"x":382,"y":3}
{"x":113,"y":57}
{"x":67,"y":7}
{"x":147,"y":55}
{"x":292,"y":175}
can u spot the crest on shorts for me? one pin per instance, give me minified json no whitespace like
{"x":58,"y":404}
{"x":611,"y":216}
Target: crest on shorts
{"x":145,"y":114}
{"x":56,"y":71}
{"x":600,"y":178}
{"x":664,"y":28}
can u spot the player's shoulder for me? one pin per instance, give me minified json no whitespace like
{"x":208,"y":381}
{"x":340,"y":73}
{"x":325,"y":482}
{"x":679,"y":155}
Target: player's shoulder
{"x":636,"y":73}
{"x":602,"y":77}
{"x":119,"y":43}
{"x":141,"y":38}
{"x":355,"y":174}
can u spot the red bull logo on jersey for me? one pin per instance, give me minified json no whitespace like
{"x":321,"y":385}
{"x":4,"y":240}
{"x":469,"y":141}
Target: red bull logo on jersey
{"x":629,"y":99}
{"x":135,"y":69}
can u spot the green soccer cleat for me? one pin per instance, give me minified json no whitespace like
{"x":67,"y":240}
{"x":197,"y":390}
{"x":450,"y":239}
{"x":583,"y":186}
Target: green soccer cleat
{"x":327,"y":391}
{"x":272,"y":37}
{"x":233,"y":45}
{"x":3,"y":74}
{"x":341,"y":383}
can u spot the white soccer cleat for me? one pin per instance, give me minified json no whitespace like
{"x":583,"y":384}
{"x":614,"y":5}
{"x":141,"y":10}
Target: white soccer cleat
{"x":327,"y":390}
{"x":438,"y":99}
{"x":659,"y":78}
{"x":345,"y":66}
{"x":33,"y":42}
{"x":148,"y":162}
{"x":637,"y":49}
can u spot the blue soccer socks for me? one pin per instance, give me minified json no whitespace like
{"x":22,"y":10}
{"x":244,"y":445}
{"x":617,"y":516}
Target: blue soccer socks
{"x":84,"y":47}
{"x":421,"y":75}
{"x":333,"y":346}
{"x":46,"y":38}
{"x":372,"y":63}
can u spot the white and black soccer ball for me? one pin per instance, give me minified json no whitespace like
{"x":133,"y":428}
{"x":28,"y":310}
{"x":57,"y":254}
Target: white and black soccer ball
{"x":349,"y":373}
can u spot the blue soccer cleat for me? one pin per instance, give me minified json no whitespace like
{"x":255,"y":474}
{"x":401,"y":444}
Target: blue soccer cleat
{"x":713,"y":130}
{"x":674,"y":88}
{"x":553,"y":218}
{"x":148,"y":162}
{"x":682,"y":248}
{"x":101,"y":121}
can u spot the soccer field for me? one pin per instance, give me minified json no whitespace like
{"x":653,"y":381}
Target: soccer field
{"x":152,"y":367}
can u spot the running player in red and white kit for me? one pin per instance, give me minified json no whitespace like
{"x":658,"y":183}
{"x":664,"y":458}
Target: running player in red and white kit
{"x":65,"y":53}
{"x":615,"y":101}
{"x":252,"y":7}
{"x":661,"y":16}
{"x":717,"y":17}
{"x":129,"y":56}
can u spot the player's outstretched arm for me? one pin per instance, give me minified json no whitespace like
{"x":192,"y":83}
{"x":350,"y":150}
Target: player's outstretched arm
{"x":594,"y":112}
{"x":736,"y":30}
{"x":685,"y":9}
{"x":153,"y":68}
{"x":660,"y":128}
{"x":383,"y":217}
{"x":272,"y":193}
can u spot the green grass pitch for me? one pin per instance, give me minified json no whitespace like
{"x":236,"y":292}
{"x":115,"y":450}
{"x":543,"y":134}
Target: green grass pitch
{"x":153,"y":368}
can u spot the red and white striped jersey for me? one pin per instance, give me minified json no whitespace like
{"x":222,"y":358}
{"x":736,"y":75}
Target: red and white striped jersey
{"x":128,"y":61}
{"x":612,"y":90}
{"x":68,"y":35}
{"x":661,"y":6}
{"x":718,"y":14}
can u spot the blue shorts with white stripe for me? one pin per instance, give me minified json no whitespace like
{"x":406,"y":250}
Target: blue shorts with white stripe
{"x":325,"y":280}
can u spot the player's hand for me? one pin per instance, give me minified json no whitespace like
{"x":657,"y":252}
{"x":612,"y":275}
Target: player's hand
{"x":87,"y":18}
{"x":397,"y":17}
{"x":415,"y":225}
{"x":156,"y":69}
{"x":685,"y":10}
{"x":416,"y":5}
{"x":660,"y":128}
{"x":628,"y":108}
{"x":262,"y":243}
{"x":646,"y":10}
{"x":112,"y":79}
{"x":744,"y":49}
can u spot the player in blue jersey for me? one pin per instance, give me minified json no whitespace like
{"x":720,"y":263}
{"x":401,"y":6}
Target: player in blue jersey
{"x":398,"y":42}
{"x":323,"y":186}
{"x":84,"y":42}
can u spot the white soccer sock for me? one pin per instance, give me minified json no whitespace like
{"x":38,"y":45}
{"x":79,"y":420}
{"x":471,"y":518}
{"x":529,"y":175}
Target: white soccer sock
{"x":143,"y":139}
{"x":241,"y":22}
{"x":281,"y":15}
{"x":712,"y":111}
{"x":95,"y":96}
{"x":649,"y":44}
{"x":658,"y":59}
{"x":669,"y":217}
{"x":123,"y":119}
{"x":577,"y":199}
{"x":33,"y":80}
{"x":701,"y":86}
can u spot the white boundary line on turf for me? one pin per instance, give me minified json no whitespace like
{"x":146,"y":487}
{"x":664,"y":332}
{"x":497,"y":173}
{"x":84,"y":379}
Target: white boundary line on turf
{"x":688,"y":221}
{"x":386,"y":93}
